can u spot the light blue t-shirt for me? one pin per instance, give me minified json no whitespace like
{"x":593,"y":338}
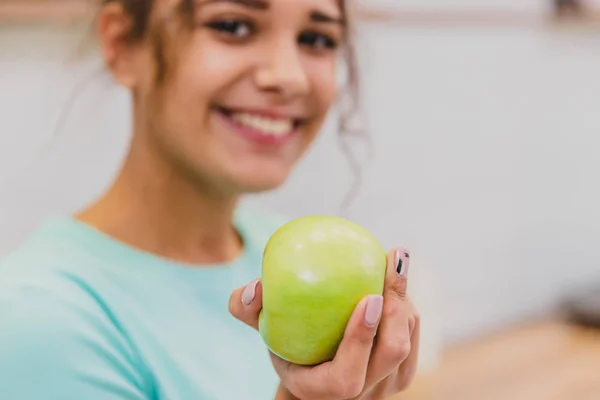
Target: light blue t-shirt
{"x":85,"y":317}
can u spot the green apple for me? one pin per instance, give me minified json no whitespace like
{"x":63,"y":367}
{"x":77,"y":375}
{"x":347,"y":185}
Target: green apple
{"x":315,"y":271}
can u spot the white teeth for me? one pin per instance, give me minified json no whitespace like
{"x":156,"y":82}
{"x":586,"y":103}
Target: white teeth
{"x":267,"y":126}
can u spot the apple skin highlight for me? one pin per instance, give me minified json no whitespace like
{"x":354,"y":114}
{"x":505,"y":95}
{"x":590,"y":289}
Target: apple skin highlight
{"x":315,"y":271}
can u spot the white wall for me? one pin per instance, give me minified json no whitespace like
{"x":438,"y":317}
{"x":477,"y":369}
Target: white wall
{"x":485,"y":144}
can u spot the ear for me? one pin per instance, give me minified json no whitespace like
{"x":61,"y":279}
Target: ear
{"x":114,"y":25}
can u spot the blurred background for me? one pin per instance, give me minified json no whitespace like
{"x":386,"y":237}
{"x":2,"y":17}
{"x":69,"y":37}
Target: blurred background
{"x":484,"y":144}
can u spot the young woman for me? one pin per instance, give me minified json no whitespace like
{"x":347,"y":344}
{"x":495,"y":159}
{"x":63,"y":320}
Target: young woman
{"x":133,"y":298}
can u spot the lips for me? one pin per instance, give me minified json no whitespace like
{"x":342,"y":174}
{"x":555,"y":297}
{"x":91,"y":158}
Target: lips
{"x":264,"y":125}
{"x":257,"y":125}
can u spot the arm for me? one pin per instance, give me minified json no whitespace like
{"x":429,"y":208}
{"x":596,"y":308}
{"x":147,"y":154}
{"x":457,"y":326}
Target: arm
{"x":62,"y":347}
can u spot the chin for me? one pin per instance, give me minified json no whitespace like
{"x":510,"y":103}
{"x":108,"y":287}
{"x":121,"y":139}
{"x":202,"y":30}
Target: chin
{"x":260,"y":182}
{"x":255,"y":176}
{"x":260,"y":186}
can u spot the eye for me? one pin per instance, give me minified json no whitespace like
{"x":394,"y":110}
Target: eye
{"x":318,"y":41}
{"x":232,"y":27}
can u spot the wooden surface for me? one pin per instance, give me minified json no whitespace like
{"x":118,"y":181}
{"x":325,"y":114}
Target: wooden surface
{"x":549,"y":361}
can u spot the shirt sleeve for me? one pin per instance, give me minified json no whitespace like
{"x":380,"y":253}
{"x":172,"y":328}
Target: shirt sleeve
{"x":55,"y":347}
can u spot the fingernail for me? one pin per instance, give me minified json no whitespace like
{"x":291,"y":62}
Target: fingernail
{"x":402,"y":262}
{"x":249,"y":293}
{"x":373,"y":311}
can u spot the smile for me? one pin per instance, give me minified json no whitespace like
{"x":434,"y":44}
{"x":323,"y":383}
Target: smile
{"x":259,"y":127}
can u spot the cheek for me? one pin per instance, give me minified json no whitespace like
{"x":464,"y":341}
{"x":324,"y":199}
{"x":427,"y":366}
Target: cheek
{"x":324,"y":83}
{"x":207,"y":68}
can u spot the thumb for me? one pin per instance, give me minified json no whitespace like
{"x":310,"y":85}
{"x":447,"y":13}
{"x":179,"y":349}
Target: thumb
{"x":397,"y":273}
{"x":245,"y":303}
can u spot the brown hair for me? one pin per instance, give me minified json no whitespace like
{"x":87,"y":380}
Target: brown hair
{"x":145,"y":28}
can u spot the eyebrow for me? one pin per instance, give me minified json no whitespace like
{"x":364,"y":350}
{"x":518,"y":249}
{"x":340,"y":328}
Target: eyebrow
{"x":315,"y":16}
{"x":255,"y":4}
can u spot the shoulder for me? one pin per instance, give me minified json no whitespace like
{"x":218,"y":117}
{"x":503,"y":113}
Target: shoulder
{"x":57,"y":332}
{"x":54,"y":317}
{"x":49,"y":248}
{"x":44,"y":292}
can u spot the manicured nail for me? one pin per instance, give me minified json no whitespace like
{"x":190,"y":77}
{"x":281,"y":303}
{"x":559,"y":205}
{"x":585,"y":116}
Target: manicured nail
{"x":402,"y":262}
{"x":373,"y":311}
{"x":249,"y":293}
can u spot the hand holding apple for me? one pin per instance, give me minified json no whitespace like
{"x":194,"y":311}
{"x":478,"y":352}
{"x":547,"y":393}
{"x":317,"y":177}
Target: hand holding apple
{"x":377,"y":356}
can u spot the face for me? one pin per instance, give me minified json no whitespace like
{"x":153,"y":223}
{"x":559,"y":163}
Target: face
{"x":246,"y":90}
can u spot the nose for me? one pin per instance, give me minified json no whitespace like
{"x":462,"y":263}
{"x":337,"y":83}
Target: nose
{"x":281,"y":71}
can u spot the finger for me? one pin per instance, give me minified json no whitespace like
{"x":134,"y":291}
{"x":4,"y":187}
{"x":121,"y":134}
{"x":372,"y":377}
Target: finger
{"x":245,"y":303}
{"x":344,"y":377}
{"x":393,"y":342}
{"x":408,"y":369}
{"x":397,"y":274}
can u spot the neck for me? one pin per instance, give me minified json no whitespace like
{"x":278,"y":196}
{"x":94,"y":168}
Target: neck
{"x":154,"y":208}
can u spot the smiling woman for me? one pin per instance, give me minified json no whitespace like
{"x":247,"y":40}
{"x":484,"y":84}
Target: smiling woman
{"x":276,"y":110}
{"x":135,"y":295}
